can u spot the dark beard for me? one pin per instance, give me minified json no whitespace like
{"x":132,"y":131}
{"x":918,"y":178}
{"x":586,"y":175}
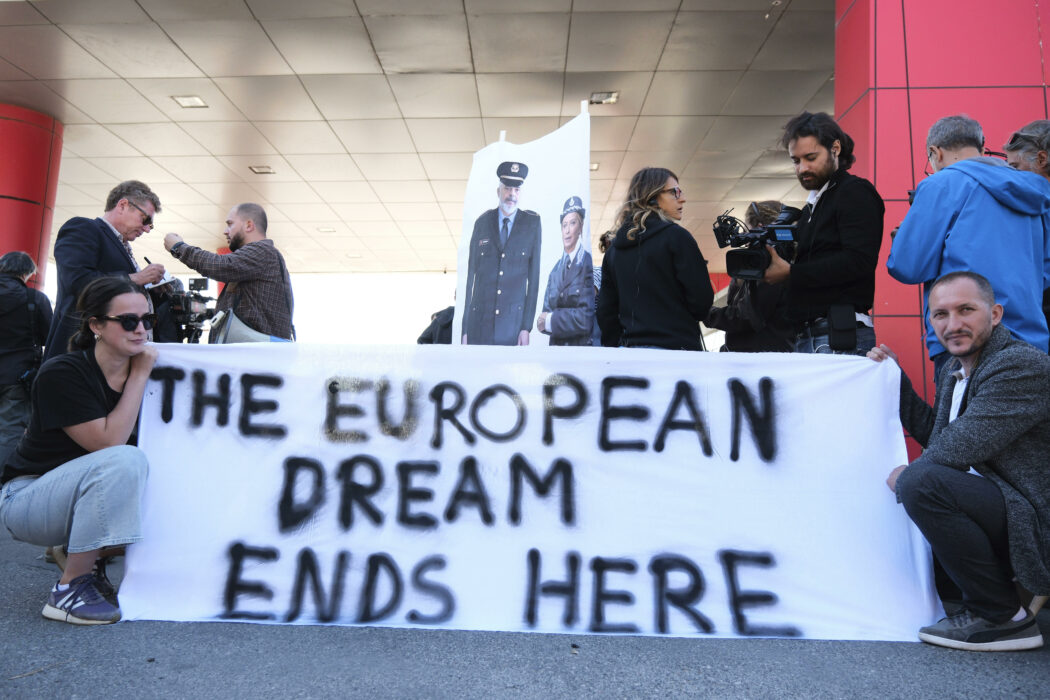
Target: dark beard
{"x":819,"y":181}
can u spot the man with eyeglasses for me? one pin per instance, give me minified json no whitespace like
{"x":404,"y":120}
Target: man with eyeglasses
{"x":503,"y":268}
{"x":831,"y":282}
{"x":976,"y":213}
{"x":86,"y":249}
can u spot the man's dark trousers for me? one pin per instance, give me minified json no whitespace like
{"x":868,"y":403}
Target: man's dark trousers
{"x":963,"y":517}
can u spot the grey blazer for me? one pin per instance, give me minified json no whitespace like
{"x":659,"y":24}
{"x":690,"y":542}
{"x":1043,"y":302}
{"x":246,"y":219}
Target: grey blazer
{"x":1003,"y":431}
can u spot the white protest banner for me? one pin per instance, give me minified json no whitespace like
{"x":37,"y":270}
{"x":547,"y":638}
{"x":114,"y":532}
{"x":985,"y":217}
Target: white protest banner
{"x":564,"y":490}
{"x":503,"y":278}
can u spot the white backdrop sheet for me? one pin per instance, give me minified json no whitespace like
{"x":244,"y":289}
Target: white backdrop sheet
{"x":314,"y":488}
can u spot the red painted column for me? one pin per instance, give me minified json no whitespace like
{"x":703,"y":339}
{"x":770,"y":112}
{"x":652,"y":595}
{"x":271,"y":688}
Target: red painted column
{"x":32,"y":150}
{"x":900,"y":65}
{"x":719,"y":280}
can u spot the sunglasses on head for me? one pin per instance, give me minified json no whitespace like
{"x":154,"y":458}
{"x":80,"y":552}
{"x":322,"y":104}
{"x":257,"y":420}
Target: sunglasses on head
{"x":1019,"y":138}
{"x":130,"y":322}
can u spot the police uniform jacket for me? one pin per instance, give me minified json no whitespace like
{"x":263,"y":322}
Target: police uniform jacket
{"x":502,"y":282}
{"x":570,"y":299}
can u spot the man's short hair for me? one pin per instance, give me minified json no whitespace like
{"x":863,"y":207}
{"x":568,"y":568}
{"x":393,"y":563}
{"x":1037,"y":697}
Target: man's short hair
{"x":135,"y":191}
{"x":250,"y":210}
{"x":826,"y":130}
{"x":984,"y":287}
{"x":955,"y":132}
{"x":1029,"y":140}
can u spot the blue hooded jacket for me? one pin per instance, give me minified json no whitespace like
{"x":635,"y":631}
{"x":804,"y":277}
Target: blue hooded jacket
{"x":981,"y":215}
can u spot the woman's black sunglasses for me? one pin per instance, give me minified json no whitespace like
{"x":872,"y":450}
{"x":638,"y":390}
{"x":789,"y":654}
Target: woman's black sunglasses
{"x":130,"y":322}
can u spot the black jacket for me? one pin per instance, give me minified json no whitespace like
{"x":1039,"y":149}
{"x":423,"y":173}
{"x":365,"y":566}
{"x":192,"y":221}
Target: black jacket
{"x":655,"y":288}
{"x":85,"y":249}
{"x":17,"y":342}
{"x":440,"y":329}
{"x":754,"y":318}
{"x":838,"y":249}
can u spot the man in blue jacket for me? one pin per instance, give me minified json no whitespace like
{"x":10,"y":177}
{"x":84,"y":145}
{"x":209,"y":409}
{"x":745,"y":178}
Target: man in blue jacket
{"x":976,"y":213}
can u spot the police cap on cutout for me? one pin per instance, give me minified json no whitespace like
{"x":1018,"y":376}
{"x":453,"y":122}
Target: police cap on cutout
{"x":512,"y":174}
{"x":574,"y":204}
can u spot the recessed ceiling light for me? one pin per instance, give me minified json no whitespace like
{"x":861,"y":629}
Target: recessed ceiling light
{"x":261,"y":169}
{"x":190,"y":101}
{"x":594,"y":167}
{"x":325,"y":229}
{"x":605,"y":98}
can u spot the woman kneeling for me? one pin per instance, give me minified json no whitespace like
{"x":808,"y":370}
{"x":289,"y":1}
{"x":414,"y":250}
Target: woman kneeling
{"x":76,"y":478}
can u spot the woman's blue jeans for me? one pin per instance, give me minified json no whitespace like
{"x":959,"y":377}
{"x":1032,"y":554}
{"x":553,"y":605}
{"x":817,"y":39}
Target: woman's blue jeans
{"x":86,"y":504}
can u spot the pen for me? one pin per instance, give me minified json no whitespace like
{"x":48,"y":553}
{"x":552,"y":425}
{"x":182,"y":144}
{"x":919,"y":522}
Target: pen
{"x":147,"y":260}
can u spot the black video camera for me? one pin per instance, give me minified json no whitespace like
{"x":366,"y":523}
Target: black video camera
{"x":190,"y":310}
{"x":752,"y":258}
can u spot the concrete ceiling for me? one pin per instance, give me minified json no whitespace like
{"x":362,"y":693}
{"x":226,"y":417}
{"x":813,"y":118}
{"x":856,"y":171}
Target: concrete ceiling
{"x":368,"y":111}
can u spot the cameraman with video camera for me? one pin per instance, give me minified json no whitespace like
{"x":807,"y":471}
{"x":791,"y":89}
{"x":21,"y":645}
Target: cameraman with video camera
{"x":754,"y":317}
{"x":831,"y":284}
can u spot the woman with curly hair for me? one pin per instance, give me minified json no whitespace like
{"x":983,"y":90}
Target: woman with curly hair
{"x":655,"y":287}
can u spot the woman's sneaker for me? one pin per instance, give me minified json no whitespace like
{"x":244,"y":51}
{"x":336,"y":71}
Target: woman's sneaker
{"x":965,"y":630}
{"x":59,"y":556}
{"x":102,"y":582}
{"x":80,"y":603}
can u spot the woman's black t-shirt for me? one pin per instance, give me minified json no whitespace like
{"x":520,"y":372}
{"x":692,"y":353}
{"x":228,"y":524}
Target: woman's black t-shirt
{"x":70,"y":389}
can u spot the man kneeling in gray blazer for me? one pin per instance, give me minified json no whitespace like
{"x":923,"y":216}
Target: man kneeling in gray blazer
{"x":980,"y":492}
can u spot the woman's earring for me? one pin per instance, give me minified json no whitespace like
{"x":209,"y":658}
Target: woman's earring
{"x":97,"y":336}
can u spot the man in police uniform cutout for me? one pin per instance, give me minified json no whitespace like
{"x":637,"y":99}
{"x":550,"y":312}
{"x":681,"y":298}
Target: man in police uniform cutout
{"x":503,"y":269}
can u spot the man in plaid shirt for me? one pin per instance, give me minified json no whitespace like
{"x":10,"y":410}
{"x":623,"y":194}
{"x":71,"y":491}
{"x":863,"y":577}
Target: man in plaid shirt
{"x":258,"y":288}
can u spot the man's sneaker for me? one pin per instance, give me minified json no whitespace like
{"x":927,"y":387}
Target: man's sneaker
{"x":80,"y":604}
{"x":965,"y":630}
